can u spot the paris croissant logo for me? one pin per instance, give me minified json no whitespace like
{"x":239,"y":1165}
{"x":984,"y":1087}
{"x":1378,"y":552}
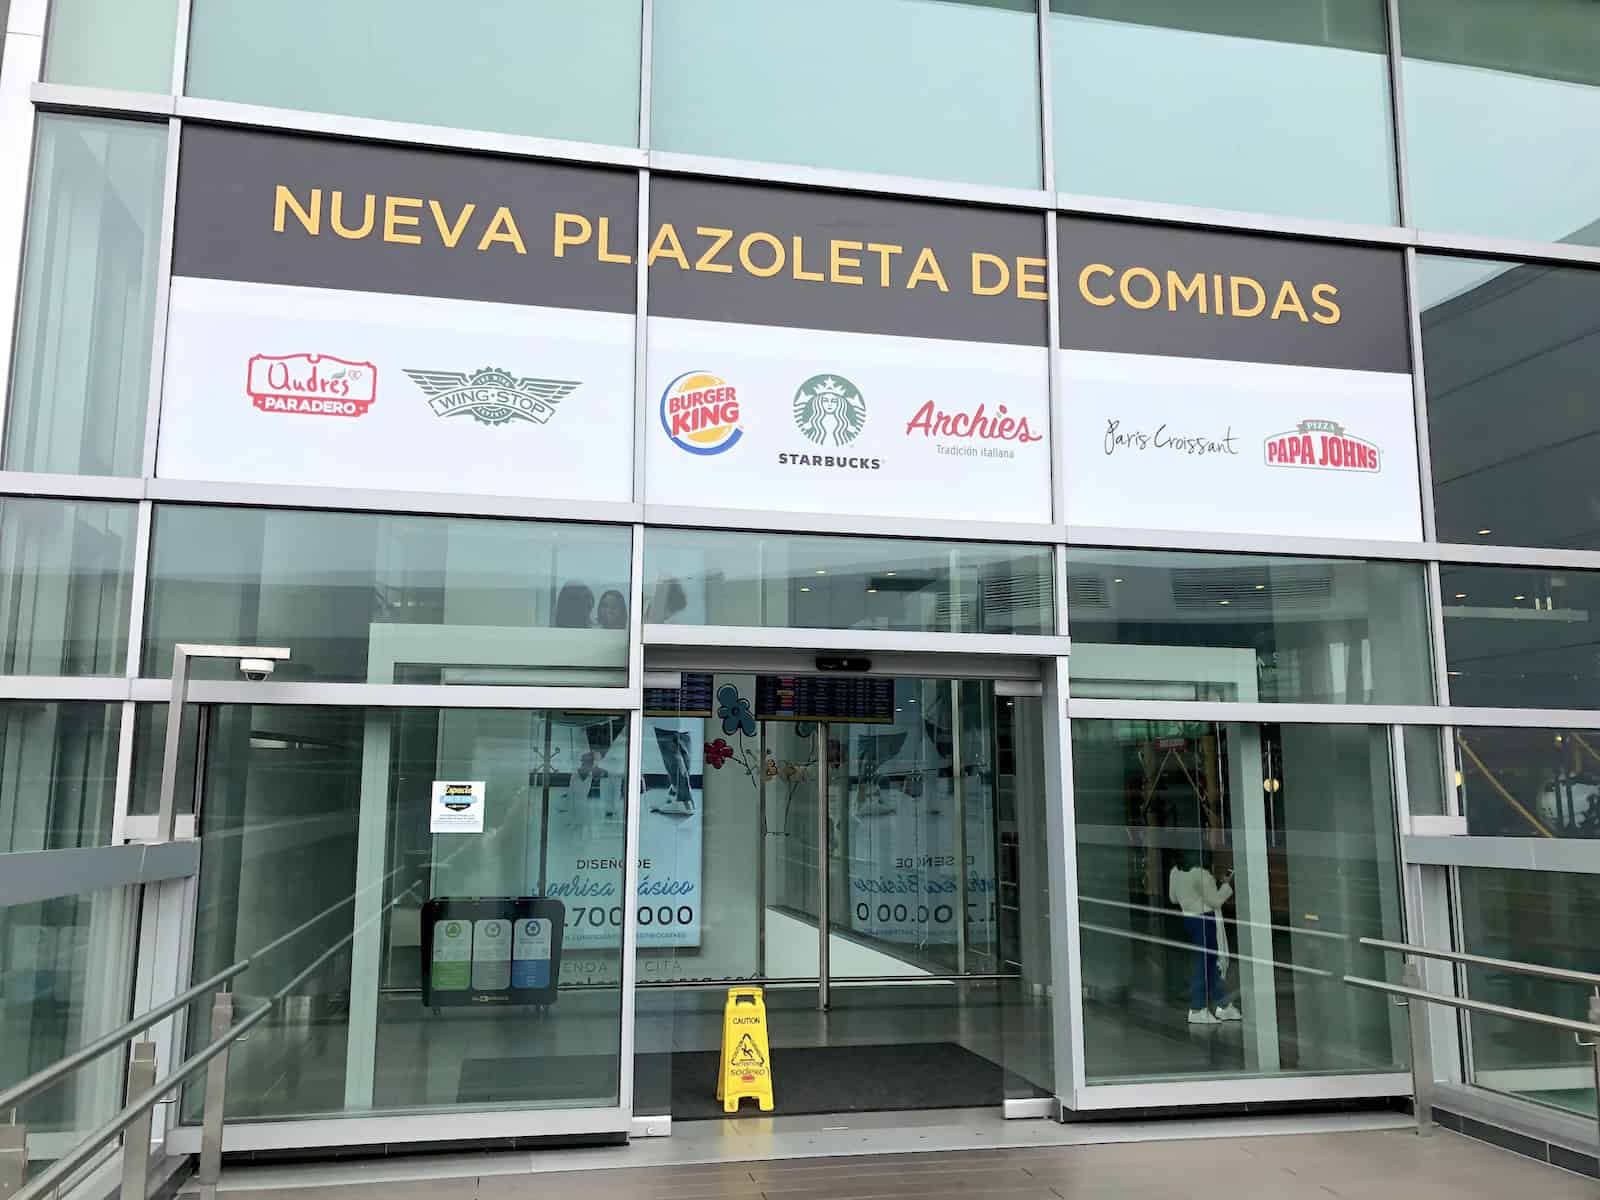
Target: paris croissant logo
{"x":829,"y":410}
{"x":492,"y":395}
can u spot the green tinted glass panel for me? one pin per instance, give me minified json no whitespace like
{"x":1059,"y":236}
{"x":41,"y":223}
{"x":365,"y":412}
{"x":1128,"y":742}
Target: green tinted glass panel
{"x":126,"y":44}
{"x":1511,"y":357}
{"x":1226,"y":874}
{"x":66,"y":586}
{"x":1521,"y":637}
{"x":1269,"y":108}
{"x":373,"y":598}
{"x":1167,"y":625}
{"x":946,"y":89}
{"x":82,"y":367}
{"x":543,"y":67}
{"x":700,"y":577}
{"x":59,"y":775}
{"x":1502,"y":99}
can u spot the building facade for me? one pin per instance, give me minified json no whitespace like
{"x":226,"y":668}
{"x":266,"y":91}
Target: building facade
{"x":1026,"y":529}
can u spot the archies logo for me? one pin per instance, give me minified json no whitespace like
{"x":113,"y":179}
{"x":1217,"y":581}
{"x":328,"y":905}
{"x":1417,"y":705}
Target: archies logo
{"x":311,"y":384}
{"x":1322,"y":445}
{"x":977,"y":425}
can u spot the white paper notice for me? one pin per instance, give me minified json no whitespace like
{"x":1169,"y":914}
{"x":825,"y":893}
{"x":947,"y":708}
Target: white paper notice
{"x":457,"y":806}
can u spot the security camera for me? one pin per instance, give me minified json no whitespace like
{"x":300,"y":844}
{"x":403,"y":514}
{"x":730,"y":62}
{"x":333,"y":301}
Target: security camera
{"x":256,"y":669}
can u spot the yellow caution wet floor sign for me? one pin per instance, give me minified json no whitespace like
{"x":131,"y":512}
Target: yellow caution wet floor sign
{"x":745,"y":1071}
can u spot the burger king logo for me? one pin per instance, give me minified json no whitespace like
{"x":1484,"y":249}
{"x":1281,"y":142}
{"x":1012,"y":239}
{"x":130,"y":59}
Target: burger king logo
{"x":700,"y":413}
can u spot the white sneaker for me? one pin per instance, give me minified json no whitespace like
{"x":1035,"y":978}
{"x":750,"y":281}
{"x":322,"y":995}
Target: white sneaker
{"x":1229,"y":1012}
{"x":1202,"y":1016}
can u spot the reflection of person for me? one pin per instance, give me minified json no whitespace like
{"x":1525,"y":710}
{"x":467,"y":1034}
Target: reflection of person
{"x":574,"y":607}
{"x":1195,"y":891}
{"x":613,"y":611}
{"x":666,"y":602}
{"x":674,"y":747}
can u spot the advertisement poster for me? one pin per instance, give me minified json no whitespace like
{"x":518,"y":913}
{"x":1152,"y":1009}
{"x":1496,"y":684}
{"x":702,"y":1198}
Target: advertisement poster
{"x":846,"y":354}
{"x":1216,"y":382}
{"x":585,"y":840}
{"x":370,"y":316}
{"x":457,"y":807}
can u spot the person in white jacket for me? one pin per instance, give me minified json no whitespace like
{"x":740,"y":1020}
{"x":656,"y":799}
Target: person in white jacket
{"x":1196,"y":892}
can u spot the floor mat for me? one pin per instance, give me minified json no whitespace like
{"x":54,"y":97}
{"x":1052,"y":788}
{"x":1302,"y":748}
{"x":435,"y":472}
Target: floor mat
{"x":813,"y":1079}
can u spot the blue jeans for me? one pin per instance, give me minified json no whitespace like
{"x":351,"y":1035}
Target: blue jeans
{"x":1206,"y":989}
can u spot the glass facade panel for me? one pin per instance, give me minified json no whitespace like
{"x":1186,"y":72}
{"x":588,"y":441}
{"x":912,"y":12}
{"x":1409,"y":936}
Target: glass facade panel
{"x":945,"y":89}
{"x":541,"y":67}
{"x":58,"y":774}
{"x":1510,"y":354}
{"x":937,"y":974}
{"x":1541,"y":783}
{"x":705,"y":577}
{"x":1226,"y":873}
{"x":66,"y":973}
{"x":1165,"y":625}
{"x":1546,"y":918}
{"x":1280,"y":109}
{"x":392,"y":599}
{"x":81,"y":371}
{"x":1521,"y":637}
{"x":124,"y":44}
{"x":1502,"y":99}
{"x":1425,"y":784}
{"x":402,"y":987}
{"x":66,"y":586}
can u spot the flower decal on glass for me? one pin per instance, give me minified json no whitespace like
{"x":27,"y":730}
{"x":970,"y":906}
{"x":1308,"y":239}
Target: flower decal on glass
{"x":717,"y":753}
{"x":735,"y":712}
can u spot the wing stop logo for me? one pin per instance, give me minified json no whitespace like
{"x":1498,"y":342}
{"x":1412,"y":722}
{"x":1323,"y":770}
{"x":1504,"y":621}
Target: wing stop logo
{"x":492,"y":396}
{"x":700,"y":413}
{"x":458,"y":797}
{"x":311,"y":384}
{"x":1322,"y":445}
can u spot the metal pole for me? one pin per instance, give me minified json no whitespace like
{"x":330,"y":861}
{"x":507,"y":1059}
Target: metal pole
{"x":1594,"y":1049}
{"x":216,"y":1094}
{"x":167,"y":813}
{"x":13,"y":1156}
{"x":822,"y":865}
{"x":762,"y":840}
{"x":958,"y":801}
{"x":136,"y":1138}
{"x":1421,"y":1050}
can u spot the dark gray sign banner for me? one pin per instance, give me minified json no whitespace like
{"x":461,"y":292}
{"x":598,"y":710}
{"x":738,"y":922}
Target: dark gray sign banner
{"x":861,"y":264}
{"x":282,"y":208}
{"x":1155,"y":289}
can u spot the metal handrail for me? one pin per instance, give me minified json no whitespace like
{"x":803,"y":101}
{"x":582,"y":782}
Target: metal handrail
{"x":1479,"y":1006}
{"x":136,"y":1108}
{"x":18,"y":1092}
{"x":1411,"y":992}
{"x":1477,"y":960}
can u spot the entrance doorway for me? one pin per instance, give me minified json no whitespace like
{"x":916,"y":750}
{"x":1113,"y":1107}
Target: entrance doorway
{"x":871,"y":851}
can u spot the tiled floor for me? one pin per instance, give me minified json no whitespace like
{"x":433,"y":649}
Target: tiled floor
{"x":807,"y":1159}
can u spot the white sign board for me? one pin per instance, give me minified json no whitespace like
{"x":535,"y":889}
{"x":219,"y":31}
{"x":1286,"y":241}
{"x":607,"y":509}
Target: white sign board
{"x":267,"y":383}
{"x":802,"y":420}
{"x":1209,"y":445}
{"x":456,"y":807}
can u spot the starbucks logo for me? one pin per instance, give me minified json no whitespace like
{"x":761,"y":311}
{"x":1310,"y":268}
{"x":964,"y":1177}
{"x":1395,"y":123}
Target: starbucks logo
{"x":829,"y":410}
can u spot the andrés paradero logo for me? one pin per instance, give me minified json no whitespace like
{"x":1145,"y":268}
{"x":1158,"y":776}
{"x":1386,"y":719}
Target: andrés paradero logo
{"x":700,"y":413}
{"x":492,"y":395}
{"x":829,"y":410}
{"x":1322,"y":445}
{"x":311,"y":384}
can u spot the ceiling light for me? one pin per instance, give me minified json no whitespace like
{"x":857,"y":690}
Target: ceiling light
{"x":891,"y":572}
{"x":1224,"y":601}
{"x":1485,"y":532}
{"x":1519,"y":597}
{"x":805,"y":589}
{"x":820,"y":571}
{"x":1116,"y":581}
{"x":1261,"y":587}
{"x":1461,"y":595}
{"x":872,"y":591}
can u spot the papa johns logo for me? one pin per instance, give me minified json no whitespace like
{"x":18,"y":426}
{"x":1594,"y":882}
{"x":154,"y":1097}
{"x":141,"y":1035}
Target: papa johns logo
{"x":700,"y":413}
{"x":829,"y":410}
{"x":1323,"y":446}
{"x":492,"y":395}
{"x":311,"y":384}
